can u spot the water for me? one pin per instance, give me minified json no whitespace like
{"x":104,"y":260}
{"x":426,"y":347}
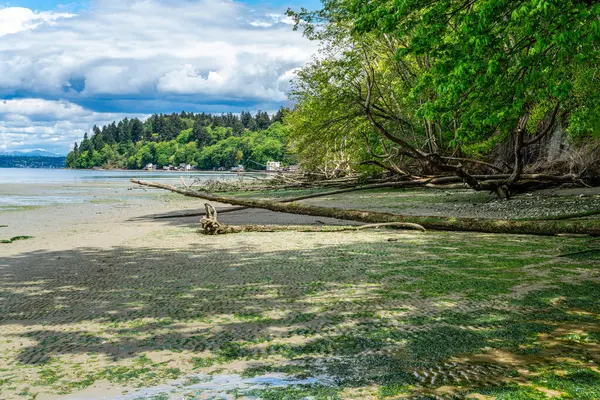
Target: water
{"x":220,"y":386}
{"x":23,"y":187}
{"x":41,"y":175}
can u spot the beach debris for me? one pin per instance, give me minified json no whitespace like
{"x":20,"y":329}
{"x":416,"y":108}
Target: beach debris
{"x":209,"y":223}
{"x":486,"y":225}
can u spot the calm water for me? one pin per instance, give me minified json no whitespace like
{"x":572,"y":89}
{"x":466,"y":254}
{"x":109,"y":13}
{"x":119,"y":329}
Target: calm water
{"x":26,"y":186}
{"x":40,"y":175}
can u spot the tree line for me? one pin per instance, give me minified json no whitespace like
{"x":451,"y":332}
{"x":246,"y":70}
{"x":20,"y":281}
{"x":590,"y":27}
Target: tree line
{"x":203,"y":140}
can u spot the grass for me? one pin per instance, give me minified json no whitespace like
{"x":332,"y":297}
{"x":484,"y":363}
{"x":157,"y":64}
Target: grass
{"x":491,"y":315}
{"x":11,"y":208}
{"x":15,"y":238}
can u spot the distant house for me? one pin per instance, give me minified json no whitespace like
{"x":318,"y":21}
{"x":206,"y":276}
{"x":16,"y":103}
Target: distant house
{"x":185,"y":167}
{"x":149,"y":167}
{"x":239,"y":168}
{"x":273,"y":165}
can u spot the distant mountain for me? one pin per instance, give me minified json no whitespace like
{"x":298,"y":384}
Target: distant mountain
{"x":30,"y":153}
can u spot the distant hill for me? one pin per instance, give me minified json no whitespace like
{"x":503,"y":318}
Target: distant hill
{"x":30,"y":153}
{"x":27,"y":161}
{"x":205,"y":141}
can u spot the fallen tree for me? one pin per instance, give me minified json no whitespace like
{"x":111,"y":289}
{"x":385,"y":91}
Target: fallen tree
{"x":549,"y":228}
{"x":398,"y":185}
{"x":210,"y":225}
{"x":437,"y":182}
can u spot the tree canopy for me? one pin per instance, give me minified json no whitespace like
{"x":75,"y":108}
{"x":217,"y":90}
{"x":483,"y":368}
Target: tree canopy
{"x":417,"y":86}
{"x":203,"y":140}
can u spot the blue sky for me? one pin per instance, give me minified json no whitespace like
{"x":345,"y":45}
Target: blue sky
{"x":67,"y":65}
{"x":45,"y":5}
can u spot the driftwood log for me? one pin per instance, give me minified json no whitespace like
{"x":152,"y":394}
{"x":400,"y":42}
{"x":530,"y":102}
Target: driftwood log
{"x":545,"y":227}
{"x":444,"y":182}
{"x":210,"y":225}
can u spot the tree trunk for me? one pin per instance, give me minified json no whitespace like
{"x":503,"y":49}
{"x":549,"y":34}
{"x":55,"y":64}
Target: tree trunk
{"x":589,"y":227}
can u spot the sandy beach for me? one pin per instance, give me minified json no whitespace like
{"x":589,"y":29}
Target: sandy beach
{"x":103,"y":228}
{"x":107,"y":302}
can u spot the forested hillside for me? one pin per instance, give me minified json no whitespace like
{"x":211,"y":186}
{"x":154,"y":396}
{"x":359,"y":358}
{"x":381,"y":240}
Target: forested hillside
{"x":31,"y":162}
{"x":203,"y":140}
{"x":457,"y":87}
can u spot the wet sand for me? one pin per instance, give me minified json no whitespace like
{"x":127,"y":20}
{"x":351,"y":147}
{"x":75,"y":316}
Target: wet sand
{"x":111,"y":214}
{"x":106,"y":301}
{"x":87,"y":245}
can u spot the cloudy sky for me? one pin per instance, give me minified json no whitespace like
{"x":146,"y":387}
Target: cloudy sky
{"x":65,"y":66}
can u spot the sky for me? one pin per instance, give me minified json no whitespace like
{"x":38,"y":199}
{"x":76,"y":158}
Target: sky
{"x":68,"y":65}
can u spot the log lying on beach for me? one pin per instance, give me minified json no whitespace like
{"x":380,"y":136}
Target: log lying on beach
{"x":444,"y":182}
{"x":548,"y":228}
{"x":397,"y":185}
{"x":209,"y":225}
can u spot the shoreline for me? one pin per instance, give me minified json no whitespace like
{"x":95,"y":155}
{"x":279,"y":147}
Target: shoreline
{"x":208,"y":171}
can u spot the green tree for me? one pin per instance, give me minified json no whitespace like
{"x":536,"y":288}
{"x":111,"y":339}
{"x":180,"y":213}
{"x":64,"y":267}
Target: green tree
{"x":201,"y":133}
{"x":410,"y":85}
{"x":137,"y":130}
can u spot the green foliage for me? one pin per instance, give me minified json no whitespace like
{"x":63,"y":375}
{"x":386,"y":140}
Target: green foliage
{"x":201,"y":140}
{"x":445,"y":76}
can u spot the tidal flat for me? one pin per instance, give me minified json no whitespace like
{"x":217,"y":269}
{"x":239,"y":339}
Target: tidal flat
{"x":105,"y":301}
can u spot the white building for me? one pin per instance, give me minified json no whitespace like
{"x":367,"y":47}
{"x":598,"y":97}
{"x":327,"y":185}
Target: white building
{"x":273,"y":165}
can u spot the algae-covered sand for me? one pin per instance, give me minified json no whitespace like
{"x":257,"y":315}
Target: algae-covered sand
{"x":109,"y":304}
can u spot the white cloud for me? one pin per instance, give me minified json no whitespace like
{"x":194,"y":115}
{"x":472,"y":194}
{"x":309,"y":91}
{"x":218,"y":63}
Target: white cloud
{"x":137,"y":47}
{"x":17,"y":19}
{"x":53,"y":125}
{"x":249,"y":75}
{"x":147,"y":55}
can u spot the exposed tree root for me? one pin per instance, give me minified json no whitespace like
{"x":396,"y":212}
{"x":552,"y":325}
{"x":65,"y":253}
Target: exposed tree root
{"x":588,"y":227}
{"x":209,"y":223}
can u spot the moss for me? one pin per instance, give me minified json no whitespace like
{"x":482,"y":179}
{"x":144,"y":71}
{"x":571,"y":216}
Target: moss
{"x":514,"y":392}
{"x":393,"y":390}
{"x":368,"y":314}
{"x":15,"y":238}
{"x":17,"y":208}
